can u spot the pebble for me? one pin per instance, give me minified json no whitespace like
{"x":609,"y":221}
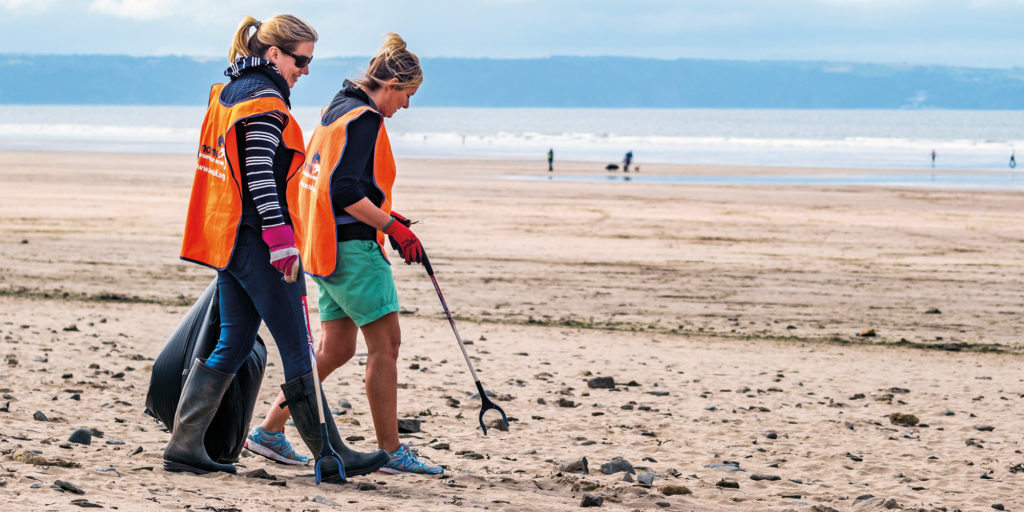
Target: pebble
{"x":260,"y":473}
{"x":107,"y":470}
{"x":408,"y":426}
{"x":907,"y":420}
{"x":366,"y":486}
{"x":592,"y":500}
{"x":39,"y":416}
{"x":68,"y":486}
{"x":580,"y":465}
{"x":726,"y":483}
{"x":469,"y":454}
{"x":565,"y":402}
{"x":674,"y":490}
{"x":498,"y":424}
{"x":998,"y":506}
{"x":601,"y":383}
{"x":733,"y":466}
{"x":984,"y":428}
{"x":626,"y":477}
{"x":770,"y":478}
{"x":81,"y":436}
{"x":5,"y":407}
{"x":772,"y":435}
{"x":617,"y":465}
{"x":440,"y":445}
{"x":84,"y":503}
{"x":344,"y":404}
{"x":646,"y":479}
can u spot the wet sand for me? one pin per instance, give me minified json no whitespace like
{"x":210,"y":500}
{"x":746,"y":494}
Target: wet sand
{"x":749,"y":330}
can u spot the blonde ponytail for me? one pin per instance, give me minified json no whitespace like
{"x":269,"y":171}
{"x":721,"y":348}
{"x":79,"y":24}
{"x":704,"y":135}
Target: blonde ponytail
{"x":283,"y":31}
{"x":393,"y":61}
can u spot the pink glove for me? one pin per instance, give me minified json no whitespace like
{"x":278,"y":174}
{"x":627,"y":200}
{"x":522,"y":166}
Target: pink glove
{"x":283,"y":254}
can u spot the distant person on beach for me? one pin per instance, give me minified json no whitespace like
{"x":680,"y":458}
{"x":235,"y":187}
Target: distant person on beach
{"x":933,"y":159}
{"x":1013,"y":160}
{"x":238,"y":223}
{"x":343,"y":210}
{"x":626,"y":160}
{"x":551,"y":159}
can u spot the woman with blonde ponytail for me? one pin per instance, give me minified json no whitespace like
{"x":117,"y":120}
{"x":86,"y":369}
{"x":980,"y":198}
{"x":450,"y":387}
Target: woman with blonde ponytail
{"x":343,"y":210}
{"x":239,"y":223}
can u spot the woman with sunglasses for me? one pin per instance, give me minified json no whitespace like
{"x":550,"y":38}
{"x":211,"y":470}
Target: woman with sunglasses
{"x":343,"y":210}
{"x":239,"y":224}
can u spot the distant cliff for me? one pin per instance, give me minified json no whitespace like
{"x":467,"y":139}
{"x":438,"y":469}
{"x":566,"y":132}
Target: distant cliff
{"x":599,"y":82}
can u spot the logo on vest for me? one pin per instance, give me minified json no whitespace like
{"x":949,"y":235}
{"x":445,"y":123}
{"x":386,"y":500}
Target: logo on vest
{"x":310,"y":173}
{"x":212,"y":159}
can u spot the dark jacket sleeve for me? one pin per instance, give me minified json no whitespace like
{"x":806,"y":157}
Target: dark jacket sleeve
{"x":355,"y":170}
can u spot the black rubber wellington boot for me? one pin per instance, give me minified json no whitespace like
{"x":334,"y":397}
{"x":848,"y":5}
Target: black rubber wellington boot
{"x":300,"y":397}
{"x":200,"y":397}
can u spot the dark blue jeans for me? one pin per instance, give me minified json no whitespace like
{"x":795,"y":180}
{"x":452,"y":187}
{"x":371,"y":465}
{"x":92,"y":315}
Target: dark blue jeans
{"x":251,"y":290}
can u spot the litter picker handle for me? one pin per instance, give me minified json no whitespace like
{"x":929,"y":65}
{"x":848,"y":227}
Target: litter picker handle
{"x":426,"y":264}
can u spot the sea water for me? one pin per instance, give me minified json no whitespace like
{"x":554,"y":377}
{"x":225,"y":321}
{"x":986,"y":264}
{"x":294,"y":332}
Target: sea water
{"x":881,"y":139}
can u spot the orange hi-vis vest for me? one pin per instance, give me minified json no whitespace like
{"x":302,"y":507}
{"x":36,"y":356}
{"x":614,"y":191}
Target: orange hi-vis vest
{"x":215,"y":206}
{"x":309,"y":196}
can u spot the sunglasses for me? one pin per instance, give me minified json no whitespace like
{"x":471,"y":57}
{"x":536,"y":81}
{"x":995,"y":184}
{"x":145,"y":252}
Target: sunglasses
{"x":301,"y":61}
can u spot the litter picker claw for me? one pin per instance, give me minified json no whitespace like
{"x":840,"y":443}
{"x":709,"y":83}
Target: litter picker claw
{"x":487,"y":404}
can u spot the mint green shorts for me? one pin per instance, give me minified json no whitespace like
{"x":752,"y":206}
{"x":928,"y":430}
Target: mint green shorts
{"x":361,"y":287}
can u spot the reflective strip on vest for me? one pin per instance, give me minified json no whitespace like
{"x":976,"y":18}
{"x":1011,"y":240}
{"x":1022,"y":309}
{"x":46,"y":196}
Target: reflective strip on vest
{"x":309,"y":196}
{"x":215,"y":205}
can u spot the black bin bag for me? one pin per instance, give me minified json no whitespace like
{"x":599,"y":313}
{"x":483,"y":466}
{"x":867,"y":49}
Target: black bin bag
{"x":196,"y":337}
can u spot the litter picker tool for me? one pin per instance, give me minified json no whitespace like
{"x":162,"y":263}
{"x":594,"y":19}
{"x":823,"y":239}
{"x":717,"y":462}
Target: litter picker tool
{"x":326,"y":450}
{"x":487,"y":403}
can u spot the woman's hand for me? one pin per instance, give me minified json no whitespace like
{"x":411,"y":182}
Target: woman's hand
{"x":283,"y":254}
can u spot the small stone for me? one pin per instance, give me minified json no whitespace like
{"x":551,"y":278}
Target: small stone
{"x":891,"y":504}
{"x":933,"y":311}
{"x":39,"y":416}
{"x":674,"y":490}
{"x":949,"y":412}
{"x":71,"y":328}
{"x":366,"y":486}
{"x":5,"y":407}
{"x":81,"y":436}
{"x":998,"y":506}
{"x":497,"y":424}
{"x":646,"y":479}
{"x":772,"y":435}
{"x":601,"y":383}
{"x":906,"y":420}
{"x":540,"y":401}
{"x":469,"y":454}
{"x":580,"y":465}
{"x":726,"y":483}
{"x":617,"y":465}
{"x":84,"y":503}
{"x":663,"y":504}
{"x":408,"y":426}
{"x":440,"y":445}
{"x":260,"y":473}
{"x":592,"y":500}
{"x":867,"y":333}
{"x":344,"y":404}
{"x":770,"y":478}
{"x":565,"y":402}
{"x":68,"y":486}
{"x":984,"y":428}
{"x":626,"y":477}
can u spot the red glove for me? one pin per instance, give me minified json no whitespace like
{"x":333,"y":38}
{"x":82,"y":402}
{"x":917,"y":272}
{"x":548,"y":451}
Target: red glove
{"x":409,"y":245}
{"x":398,"y":216}
{"x":283,"y":254}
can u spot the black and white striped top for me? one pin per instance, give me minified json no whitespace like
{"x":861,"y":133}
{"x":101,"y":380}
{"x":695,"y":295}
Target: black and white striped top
{"x":262,"y":137}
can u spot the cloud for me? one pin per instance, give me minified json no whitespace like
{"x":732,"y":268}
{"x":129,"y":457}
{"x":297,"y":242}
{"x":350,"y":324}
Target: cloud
{"x":142,"y":10}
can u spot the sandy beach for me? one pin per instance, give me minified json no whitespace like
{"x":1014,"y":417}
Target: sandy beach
{"x":767,"y":343}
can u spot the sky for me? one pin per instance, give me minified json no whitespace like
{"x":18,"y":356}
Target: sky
{"x":972,"y":33}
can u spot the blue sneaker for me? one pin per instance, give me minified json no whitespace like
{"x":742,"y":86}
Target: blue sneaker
{"x":404,"y":460}
{"x":274,"y":446}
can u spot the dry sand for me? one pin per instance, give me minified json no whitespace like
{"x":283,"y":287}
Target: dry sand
{"x":728,"y":317}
